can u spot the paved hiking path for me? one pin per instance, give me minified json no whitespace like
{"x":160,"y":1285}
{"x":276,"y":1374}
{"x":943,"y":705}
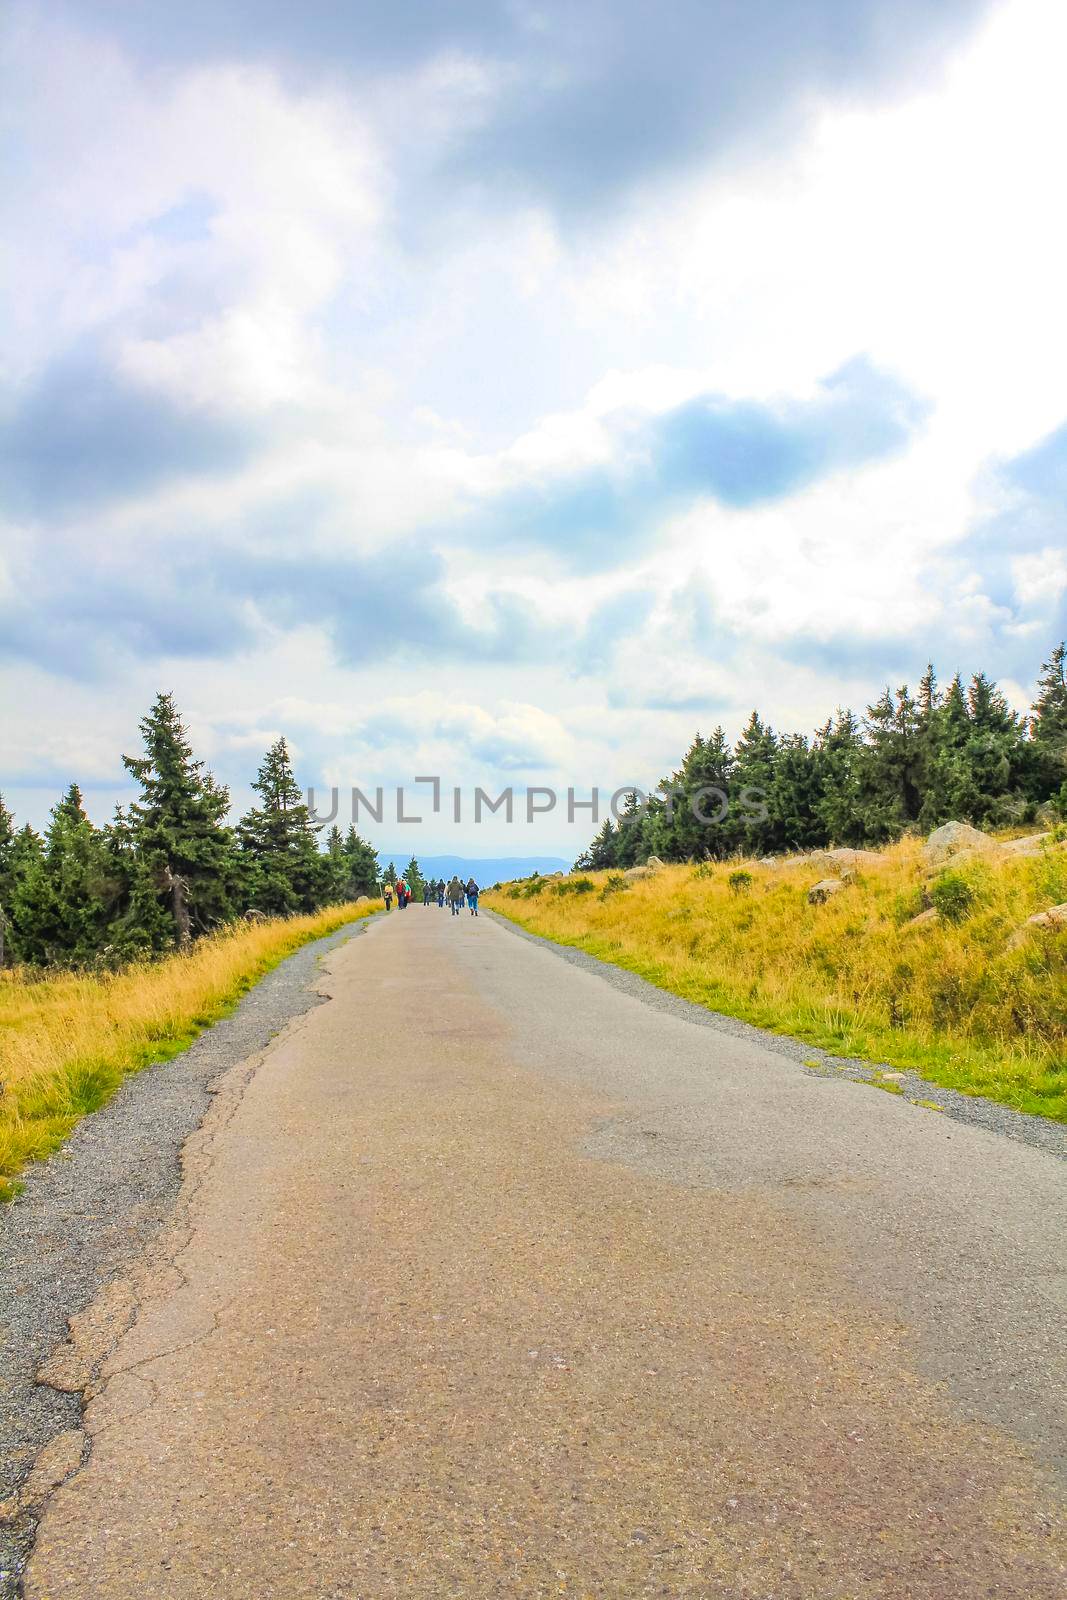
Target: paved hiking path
{"x":493,"y":1279}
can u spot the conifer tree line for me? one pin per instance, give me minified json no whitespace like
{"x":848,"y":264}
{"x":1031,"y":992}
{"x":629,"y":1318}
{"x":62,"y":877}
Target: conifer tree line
{"x":914,"y":761}
{"x":169,"y":868}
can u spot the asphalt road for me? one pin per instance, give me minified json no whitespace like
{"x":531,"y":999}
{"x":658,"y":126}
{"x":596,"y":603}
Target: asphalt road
{"x":493,"y":1279}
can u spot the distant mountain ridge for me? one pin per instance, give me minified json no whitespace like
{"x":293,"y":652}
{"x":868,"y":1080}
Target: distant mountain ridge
{"x":484,"y":871}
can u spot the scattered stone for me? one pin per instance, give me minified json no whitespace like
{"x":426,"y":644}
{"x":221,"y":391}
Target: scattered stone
{"x":635,"y":874}
{"x":954,"y":839}
{"x":655,"y":864}
{"x":1030,"y":846}
{"x":362,"y":899}
{"x":821,"y":892}
{"x":768,"y":861}
{"x":1055,"y":917}
{"x":925,"y":919}
{"x":837,"y":858}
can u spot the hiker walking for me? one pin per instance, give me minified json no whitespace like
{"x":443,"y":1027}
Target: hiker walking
{"x":439,"y":891}
{"x":427,"y":891}
{"x":455,"y":895}
{"x":387,"y":895}
{"x":472,"y":896}
{"x":403,"y":894}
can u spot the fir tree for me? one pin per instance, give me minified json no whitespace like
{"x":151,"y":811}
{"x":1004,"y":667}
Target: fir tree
{"x":334,"y":885}
{"x":752,"y":828}
{"x":1048,"y":765}
{"x":602,"y":852}
{"x":626,"y":844}
{"x":890,"y":796}
{"x":278,"y":841}
{"x":839,"y":754}
{"x":8,"y":837}
{"x":185,"y":853}
{"x":362,"y":859}
{"x":413,"y":878}
{"x":65,"y":897}
{"x":795,"y":795}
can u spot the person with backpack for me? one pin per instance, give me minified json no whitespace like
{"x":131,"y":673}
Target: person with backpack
{"x":472,"y":896}
{"x":387,"y":895}
{"x":455,"y":895}
{"x":439,"y":891}
{"x":427,"y":891}
{"x":403,"y":894}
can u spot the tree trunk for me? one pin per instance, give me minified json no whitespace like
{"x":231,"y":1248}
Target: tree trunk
{"x":177,"y":889}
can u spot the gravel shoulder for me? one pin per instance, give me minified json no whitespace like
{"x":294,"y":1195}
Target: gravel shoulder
{"x":90,"y":1211}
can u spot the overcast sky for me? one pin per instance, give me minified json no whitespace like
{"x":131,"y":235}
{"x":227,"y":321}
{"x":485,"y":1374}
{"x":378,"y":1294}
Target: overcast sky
{"x":507,"y":390}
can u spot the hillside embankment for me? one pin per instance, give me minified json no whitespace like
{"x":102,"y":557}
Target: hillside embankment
{"x":948,"y":956}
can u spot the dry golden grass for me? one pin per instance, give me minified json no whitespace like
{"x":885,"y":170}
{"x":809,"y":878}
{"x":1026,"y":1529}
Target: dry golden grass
{"x":67,"y":1040}
{"x":967,"y":1003}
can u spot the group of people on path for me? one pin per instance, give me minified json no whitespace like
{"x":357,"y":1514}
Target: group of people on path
{"x":456,"y":893}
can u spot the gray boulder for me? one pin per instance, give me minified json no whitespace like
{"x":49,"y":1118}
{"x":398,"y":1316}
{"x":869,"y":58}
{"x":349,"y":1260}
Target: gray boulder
{"x":821,"y":892}
{"x":954,"y":839}
{"x":1055,"y":918}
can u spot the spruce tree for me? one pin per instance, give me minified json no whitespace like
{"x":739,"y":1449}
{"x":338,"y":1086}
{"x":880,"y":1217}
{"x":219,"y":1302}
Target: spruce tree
{"x":839,"y":755}
{"x":277,"y":839}
{"x":602,"y":852}
{"x":66,"y":897}
{"x":185,"y":853}
{"x":626,"y":845}
{"x":1048,"y":766}
{"x":334,"y":870}
{"x":700,"y":821}
{"x":890,"y":796}
{"x":796,"y":792}
{"x":413,"y":877}
{"x":752,"y":826}
{"x":362,"y":859}
{"x":26,"y":853}
{"x":7,"y":875}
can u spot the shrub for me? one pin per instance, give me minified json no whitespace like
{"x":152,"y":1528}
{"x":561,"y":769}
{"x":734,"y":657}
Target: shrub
{"x":575,"y":886}
{"x":953,"y":896}
{"x":616,"y":884}
{"x":740,"y":881}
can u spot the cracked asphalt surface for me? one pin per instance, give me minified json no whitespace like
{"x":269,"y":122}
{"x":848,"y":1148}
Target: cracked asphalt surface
{"x":491,"y":1278}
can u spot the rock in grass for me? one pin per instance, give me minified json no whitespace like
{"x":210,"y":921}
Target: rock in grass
{"x":1033,"y":845}
{"x":821,"y":892}
{"x":955,"y":839}
{"x":1055,"y":917}
{"x":925,"y":918}
{"x":654,"y":864}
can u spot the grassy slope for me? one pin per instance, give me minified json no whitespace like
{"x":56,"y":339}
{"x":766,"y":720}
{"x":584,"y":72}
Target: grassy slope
{"x":960,"y":1002}
{"x":68,"y":1040}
